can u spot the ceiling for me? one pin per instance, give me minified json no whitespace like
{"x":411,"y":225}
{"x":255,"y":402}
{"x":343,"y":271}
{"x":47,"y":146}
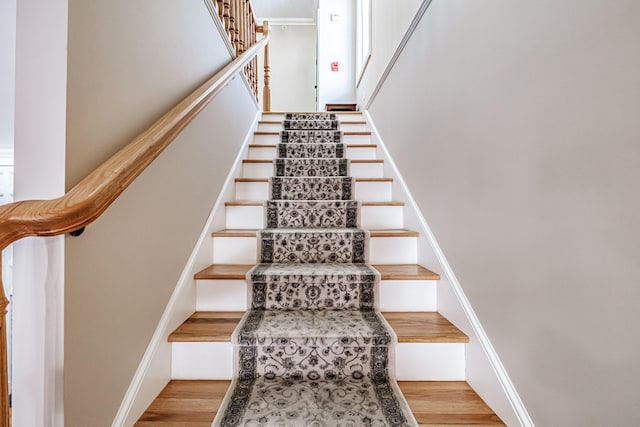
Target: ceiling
{"x":286,"y":12}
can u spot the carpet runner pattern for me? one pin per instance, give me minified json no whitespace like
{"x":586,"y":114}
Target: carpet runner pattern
{"x":312,"y":350}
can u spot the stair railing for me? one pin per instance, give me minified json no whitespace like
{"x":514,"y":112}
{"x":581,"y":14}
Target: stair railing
{"x":85,"y":202}
{"x":239,"y":20}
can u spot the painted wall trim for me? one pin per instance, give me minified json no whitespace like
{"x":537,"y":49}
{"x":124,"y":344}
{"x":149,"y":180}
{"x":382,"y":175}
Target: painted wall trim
{"x":165,"y":325}
{"x":392,"y":62}
{"x":498,"y":368}
{"x":213,"y":11}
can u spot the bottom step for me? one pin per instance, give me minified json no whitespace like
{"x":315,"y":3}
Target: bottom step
{"x":433,"y":403}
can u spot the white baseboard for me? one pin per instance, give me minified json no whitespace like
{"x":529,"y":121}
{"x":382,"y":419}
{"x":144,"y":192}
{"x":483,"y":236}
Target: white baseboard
{"x":497,"y":386}
{"x":149,"y":378}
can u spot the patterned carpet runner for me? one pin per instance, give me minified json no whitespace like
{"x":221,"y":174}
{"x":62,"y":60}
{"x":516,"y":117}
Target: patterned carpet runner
{"x":312,"y":350}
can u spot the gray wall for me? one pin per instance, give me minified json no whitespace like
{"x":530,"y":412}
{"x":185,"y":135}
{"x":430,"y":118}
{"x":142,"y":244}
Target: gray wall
{"x":515,"y":125}
{"x":128,"y":63}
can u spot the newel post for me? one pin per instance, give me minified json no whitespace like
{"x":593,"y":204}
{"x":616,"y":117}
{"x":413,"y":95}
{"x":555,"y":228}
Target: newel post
{"x":266,"y":92}
{"x":5,"y":418}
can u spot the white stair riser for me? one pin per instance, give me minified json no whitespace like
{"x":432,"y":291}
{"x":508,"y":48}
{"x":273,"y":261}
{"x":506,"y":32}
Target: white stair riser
{"x":408,"y":295}
{"x":430,"y":362}
{"x":270,"y":127}
{"x":344,"y":127}
{"x":252,"y":217}
{"x":347,"y":139}
{"x":201,"y":361}
{"x":221,"y":295}
{"x":341,"y":117}
{"x":367,"y":170}
{"x":382,"y":216}
{"x":393,"y":250}
{"x":356,"y":170}
{"x":257,"y":170}
{"x":382,"y":250}
{"x":244,"y":217}
{"x":364,"y":191}
{"x":414,"y":361}
{"x":269,"y":153}
{"x":395,"y":295}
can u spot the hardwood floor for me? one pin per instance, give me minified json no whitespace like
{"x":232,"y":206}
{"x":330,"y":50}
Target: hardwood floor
{"x":433,"y":403}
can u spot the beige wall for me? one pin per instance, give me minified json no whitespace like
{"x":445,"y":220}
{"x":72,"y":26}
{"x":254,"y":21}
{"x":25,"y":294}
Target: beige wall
{"x":515,"y":125}
{"x":128,"y":63}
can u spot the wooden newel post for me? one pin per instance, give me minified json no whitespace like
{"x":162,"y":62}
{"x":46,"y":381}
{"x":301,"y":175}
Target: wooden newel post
{"x":266,"y":92}
{"x":5,"y":418}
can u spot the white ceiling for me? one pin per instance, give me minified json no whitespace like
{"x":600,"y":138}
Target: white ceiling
{"x":286,"y":11}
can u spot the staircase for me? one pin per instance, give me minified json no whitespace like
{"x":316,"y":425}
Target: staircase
{"x":428,"y":359}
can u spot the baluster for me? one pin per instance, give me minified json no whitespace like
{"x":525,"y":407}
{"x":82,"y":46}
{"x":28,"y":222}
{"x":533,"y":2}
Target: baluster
{"x":232,"y":23}
{"x":236,"y":29}
{"x":246,"y":44}
{"x":266,"y":91}
{"x":226,"y":14}
{"x":221,"y":10}
{"x":5,"y":419}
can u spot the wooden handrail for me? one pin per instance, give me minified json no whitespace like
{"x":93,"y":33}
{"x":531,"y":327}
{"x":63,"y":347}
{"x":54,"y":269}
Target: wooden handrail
{"x":85,"y":202}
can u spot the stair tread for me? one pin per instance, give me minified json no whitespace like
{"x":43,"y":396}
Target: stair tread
{"x":191,"y":403}
{"x":346,"y":122}
{"x":258,"y":203}
{"x":357,"y":179}
{"x":346,"y":133}
{"x":310,"y":112}
{"x":207,"y":326}
{"x":447,"y":403}
{"x":386,"y":232}
{"x":423,"y":327}
{"x":352,"y":161}
{"x":348,"y":145}
{"x":405,"y":272}
{"x":367,"y":161}
{"x":388,"y":272}
{"x":410,"y":327}
{"x":194,"y":403}
{"x":257,"y":161}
